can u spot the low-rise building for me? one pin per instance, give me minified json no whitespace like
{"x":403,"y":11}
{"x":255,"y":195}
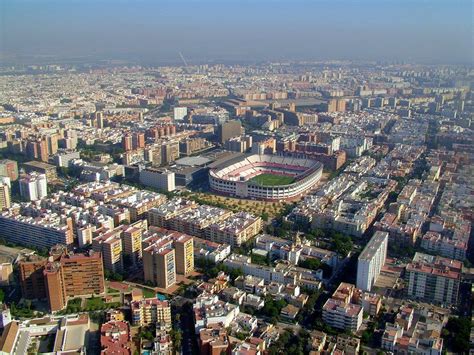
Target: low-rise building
{"x":115,"y":338}
{"x":151,"y":311}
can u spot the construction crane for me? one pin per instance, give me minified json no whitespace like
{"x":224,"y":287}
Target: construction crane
{"x":184,"y":61}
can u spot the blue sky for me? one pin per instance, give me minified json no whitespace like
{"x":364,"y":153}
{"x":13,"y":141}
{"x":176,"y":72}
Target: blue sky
{"x":155,"y":30}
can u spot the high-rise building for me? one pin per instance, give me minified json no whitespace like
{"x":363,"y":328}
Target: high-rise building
{"x":83,"y":274}
{"x":110,"y":245}
{"x":371,"y":261}
{"x":99,"y":119}
{"x":228,"y":130}
{"x":127,"y":143}
{"x":9,"y":168}
{"x":138,"y":140}
{"x":41,"y":168}
{"x":31,"y":277}
{"x":132,"y":243}
{"x":342,"y":315}
{"x":33,"y":186}
{"x":52,"y":141}
{"x":169,"y":152}
{"x":5,"y":201}
{"x":61,"y":277}
{"x":159,"y":264}
{"x":184,"y":247}
{"x":54,"y":282}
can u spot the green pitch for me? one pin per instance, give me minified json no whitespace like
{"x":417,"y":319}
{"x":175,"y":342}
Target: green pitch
{"x":272,"y":179}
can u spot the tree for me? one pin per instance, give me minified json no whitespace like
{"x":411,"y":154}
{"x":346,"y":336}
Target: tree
{"x":342,"y":244}
{"x":177,"y":337}
{"x":310,"y":263}
{"x":457,"y":333}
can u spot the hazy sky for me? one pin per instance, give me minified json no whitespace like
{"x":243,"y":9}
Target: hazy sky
{"x":155,"y":30}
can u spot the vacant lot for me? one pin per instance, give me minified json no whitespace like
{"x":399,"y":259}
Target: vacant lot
{"x":272,"y":179}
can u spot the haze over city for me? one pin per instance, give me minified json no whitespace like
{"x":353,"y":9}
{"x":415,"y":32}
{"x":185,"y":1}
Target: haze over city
{"x":146,"y":31}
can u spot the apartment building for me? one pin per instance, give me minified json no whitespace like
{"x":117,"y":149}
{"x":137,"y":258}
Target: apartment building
{"x":163,"y":247}
{"x":371,"y":260}
{"x":208,"y":250}
{"x":132,"y":242}
{"x":159,"y":264}
{"x":33,"y":186}
{"x":235,"y":230}
{"x":109,"y":244}
{"x":31,"y":276}
{"x":196,"y":220}
{"x":115,"y":338}
{"x":151,"y":311}
{"x":433,"y":279}
{"x":161,"y":179}
{"x":9,"y":168}
{"x":162,"y":215}
{"x":341,"y":315}
{"x":139,"y":203}
{"x":5,"y":200}
{"x":436,"y":243}
{"x":40,"y":231}
{"x":61,"y":277}
{"x":184,"y":248}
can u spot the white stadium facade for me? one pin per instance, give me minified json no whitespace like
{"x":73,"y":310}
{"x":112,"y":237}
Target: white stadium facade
{"x":234,"y":178}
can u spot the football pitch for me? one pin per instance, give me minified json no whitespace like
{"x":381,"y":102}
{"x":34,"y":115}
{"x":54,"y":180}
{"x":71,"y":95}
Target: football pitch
{"x":272,"y":179}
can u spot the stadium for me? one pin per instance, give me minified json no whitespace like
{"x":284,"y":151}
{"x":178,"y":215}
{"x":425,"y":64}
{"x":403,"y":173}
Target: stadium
{"x":265,"y":177}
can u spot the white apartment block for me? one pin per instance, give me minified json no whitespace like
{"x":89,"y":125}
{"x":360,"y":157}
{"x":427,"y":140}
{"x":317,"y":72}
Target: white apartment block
{"x":341,"y":315}
{"x":33,"y":186}
{"x":158,"y":178}
{"x":371,"y":261}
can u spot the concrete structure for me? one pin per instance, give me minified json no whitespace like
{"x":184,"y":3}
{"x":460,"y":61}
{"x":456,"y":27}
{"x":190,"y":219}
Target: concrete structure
{"x":444,"y":246}
{"x":41,"y":168}
{"x":61,"y":277}
{"x":433,"y":279}
{"x":160,"y":179}
{"x":159,"y":264}
{"x":228,"y":130}
{"x":342,"y":315}
{"x":235,"y":230}
{"x":42,"y":231}
{"x":33,"y":186}
{"x":5,"y":192}
{"x":234,"y":177}
{"x":110,"y":245}
{"x":9,"y":168}
{"x":371,"y":261}
{"x":166,"y":253}
{"x":151,"y":311}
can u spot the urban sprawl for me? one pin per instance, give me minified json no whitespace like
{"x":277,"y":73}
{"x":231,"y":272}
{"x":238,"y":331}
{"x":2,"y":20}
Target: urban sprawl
{"x":298,"y":208}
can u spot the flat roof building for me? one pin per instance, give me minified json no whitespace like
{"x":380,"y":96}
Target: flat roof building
{"x":371,"y":260}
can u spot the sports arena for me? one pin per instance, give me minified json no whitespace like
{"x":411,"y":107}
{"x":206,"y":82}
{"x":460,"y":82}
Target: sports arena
{"x":265,"y":177}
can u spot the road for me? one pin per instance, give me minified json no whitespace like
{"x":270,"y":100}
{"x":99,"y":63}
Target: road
{"x":12,"y":253}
